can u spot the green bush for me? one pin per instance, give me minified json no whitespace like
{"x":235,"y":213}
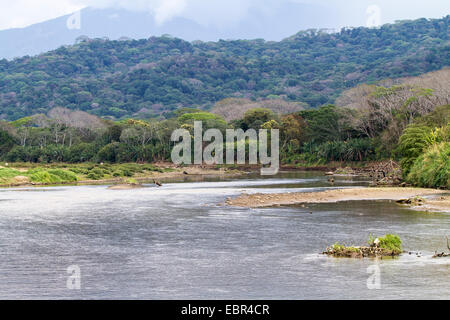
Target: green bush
{"x":6,"y":173}
{"x":117,"y":174}
{"x":78,"y":170}
{"x":43,"y":176}
{"x":389,"y":241}
{"x":94,"y":176}
{"x":413,"y":141}
{"x":66,"y":176}
{"x":127,"y":173}
{"x":432,"y":169}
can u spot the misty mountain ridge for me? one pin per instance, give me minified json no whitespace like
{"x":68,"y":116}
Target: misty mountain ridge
{"x":117,"y":23}
{"x":155,"y":76}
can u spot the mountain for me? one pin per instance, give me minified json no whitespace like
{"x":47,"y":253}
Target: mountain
{"x":151,"y":77}
{"x":280,"y":22}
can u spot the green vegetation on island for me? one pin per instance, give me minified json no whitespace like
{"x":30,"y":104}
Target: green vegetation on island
{"x":389,"y":245}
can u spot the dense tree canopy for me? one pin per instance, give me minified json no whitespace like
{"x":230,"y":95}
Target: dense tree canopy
{"x":145,"y":78}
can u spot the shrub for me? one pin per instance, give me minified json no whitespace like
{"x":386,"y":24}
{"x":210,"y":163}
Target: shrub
{"x":94,"y":176}
{"x":127,"y":173}
{"x":389,"y":242}
{"x":51,"y":176}
{"x":432,"y":169}
{"x":66,"y":176}
{"x":117,"y":174}
{"x":6,"y":173}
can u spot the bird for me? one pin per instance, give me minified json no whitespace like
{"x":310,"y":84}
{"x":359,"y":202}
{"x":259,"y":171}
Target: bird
{"x":331,"y":180}
{"x":159,"y":184}
{"x":185,"y":172}
{"x":448,"y":245}
{"x":376,"y":242}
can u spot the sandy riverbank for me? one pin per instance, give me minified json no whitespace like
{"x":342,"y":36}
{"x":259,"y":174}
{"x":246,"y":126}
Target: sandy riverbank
{"x":438,"y":203}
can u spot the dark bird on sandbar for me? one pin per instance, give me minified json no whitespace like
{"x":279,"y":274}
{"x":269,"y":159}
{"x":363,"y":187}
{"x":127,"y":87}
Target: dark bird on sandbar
{"x":159,"y":184}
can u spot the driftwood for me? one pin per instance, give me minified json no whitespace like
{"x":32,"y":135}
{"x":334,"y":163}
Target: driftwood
{"x":443,"y":254}
{"x":159,"y":184}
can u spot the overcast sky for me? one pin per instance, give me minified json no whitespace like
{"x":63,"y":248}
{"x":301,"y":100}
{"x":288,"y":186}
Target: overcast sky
{"x":223,"y":13}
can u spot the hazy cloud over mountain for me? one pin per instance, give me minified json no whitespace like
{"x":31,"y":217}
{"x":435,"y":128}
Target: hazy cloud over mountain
{"x":189,"y":19}
{"x":222,"y":13}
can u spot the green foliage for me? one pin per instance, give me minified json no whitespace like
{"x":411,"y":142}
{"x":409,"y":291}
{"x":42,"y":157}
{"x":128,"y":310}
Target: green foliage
{"x":26,"y":121}
{"x":255,"y":118}
{"x":428,"y":130}
{"x":51,"y":176}
{"x":109,"y":152}
{"x":339,"y":248}
{"x":432,"y":169}
{"x":64,"y":175}
{"x":439,"y":117}
{"x":323,"y":124}
{"x":158,"y":75}
{"x":389,"y":241}
{"x":7,"y":173}
{"x":6,"y":142}
{"x":209,"y":120}
{"x":350,"y":150}
{"x":415,"y":139}
{"x":57,"y":173}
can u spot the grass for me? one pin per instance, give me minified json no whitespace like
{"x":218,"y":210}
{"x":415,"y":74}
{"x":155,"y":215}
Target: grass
{"x":7,"y":174}
{"x":341,"y":248}
{"x":56,"y":173}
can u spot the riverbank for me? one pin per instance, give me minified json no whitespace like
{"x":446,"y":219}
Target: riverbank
{"x":24,"y":174}
{"x":438,"y":203}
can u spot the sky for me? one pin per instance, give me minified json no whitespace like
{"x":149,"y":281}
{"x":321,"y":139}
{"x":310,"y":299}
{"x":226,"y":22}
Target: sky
{"x":221,"y":13}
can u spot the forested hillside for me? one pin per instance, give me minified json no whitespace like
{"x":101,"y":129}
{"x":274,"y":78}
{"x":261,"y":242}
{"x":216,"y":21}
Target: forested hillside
{"x":408,"y":121}
{"x":145,"y":78}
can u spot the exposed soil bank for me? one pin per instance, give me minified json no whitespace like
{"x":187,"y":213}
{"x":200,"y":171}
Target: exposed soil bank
{"x":360,"y":252}
{"x":330,"y":196}
{"x":128,"y":186}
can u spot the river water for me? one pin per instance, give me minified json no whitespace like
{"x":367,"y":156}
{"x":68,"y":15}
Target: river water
{"x":176,"y":242}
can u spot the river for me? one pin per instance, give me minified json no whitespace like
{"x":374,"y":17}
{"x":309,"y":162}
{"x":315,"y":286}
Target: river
{"x":176,"y":242}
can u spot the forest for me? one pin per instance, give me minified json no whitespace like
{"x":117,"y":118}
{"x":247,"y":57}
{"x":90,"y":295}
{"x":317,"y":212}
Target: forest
{"x":406,"y":120}
{"x":152,"y":78}
{"x":357,"y":96}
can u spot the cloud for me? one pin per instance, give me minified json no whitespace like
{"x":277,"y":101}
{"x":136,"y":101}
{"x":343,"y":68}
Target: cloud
{"x":220,"y":13}
{"x":20,"y":13}
{"x":169,"y":9}
{"x":162,"y":10}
